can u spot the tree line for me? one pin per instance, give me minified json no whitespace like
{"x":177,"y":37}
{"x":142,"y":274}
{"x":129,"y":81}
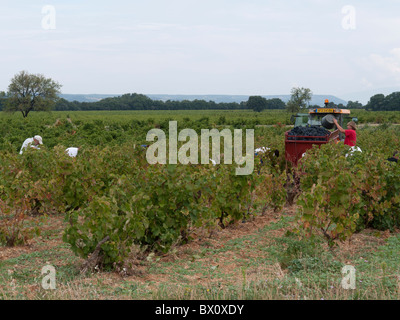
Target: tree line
{"x":380,"y":102}
{"x":137,"y":101}
{"x":33,"y":92}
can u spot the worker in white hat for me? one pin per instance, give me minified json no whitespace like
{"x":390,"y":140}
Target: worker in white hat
{"x":31,"y":142}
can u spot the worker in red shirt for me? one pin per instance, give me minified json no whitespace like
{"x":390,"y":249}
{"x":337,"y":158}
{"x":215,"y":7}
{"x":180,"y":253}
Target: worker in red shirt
{"x":350,"y":133}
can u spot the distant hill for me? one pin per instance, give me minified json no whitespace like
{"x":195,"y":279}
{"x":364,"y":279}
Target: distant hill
{"x":316,"y":99}
{"x":87,"y":97}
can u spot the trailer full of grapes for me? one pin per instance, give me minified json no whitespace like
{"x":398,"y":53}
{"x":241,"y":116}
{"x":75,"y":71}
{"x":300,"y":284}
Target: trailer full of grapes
{"x":312,"y":130}
{"x":300,"y":139}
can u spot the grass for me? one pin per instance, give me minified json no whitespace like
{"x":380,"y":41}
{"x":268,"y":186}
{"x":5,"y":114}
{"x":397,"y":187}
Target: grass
{"x":255,"y":260}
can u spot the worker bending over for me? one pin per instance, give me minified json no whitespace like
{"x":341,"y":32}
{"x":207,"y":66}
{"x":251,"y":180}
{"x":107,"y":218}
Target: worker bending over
{"x":31,"y":142}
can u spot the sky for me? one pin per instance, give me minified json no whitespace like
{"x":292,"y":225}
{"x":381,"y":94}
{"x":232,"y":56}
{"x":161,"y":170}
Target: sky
{"x":229,"y":47}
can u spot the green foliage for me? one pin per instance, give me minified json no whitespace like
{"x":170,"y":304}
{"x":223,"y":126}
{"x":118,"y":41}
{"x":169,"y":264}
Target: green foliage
{"x":230,"y":195}
{"x":153,"y":206}
{"x":18,"y":195}
{"x":380,"y":192}
{"x":344,"y":194}
{"x":115,"y":193}
{"x":329,"y":201}
{"x":271,"y":186}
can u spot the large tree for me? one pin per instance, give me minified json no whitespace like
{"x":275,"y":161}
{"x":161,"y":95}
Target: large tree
{"x":31,"y":92}
{"x":300,"y":98}
{"x":376,"y":102}
{"x":257,"y":103}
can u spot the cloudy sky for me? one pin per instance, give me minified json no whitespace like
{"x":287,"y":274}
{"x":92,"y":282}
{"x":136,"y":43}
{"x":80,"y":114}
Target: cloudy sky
{"x":234,"y":47}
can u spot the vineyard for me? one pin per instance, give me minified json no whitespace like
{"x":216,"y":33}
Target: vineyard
{"x":114,"y":226}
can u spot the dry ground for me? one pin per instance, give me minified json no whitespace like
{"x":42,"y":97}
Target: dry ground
{"x":226,"y":263}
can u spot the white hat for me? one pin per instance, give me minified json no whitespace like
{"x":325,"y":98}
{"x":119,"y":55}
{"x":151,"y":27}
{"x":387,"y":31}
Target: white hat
{"x":38,"y":138}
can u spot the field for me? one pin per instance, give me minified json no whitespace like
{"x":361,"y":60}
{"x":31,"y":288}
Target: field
{"x":195,"y":231}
